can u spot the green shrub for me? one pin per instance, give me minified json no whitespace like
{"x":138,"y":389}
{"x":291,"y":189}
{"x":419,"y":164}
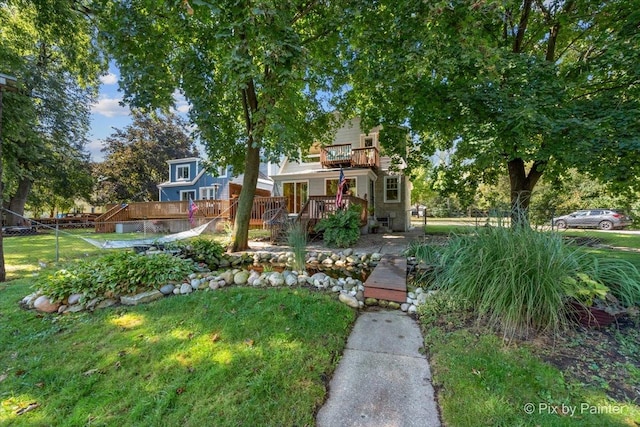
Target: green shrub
{"x":521,"y":279}
{"x":342,"y":228}
{"x":117,"y":273}
{"x":201,"y":249}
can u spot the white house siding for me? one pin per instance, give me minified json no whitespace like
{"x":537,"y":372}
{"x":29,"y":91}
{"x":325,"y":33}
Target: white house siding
{"x":350,"y":133}
{"x":398,"y":212}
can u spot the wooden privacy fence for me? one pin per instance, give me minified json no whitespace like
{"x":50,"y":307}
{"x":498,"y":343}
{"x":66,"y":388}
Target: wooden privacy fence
{"x":207,"y":209}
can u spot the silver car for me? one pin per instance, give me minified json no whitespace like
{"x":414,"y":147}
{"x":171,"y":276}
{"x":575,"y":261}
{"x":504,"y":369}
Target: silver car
{"x":604,"y":219}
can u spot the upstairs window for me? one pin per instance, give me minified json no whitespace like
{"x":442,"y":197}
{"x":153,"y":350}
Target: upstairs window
{"x":182,"y":173}
{"x":368,"y":141}
{"x":221,"y":172}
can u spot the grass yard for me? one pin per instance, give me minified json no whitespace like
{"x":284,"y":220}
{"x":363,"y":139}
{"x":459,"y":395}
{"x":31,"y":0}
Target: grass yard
{"x":24,"y":255}
{"x":236,"y":356}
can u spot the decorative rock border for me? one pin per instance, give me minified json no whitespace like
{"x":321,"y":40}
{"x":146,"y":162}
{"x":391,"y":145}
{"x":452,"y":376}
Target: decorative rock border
{"x":350,"y":290}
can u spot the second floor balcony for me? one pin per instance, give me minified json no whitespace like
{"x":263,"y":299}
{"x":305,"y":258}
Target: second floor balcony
{"x":346,"y":156}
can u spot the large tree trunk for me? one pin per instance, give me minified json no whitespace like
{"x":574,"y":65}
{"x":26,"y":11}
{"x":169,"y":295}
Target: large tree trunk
{"x":240,"y":238}
{"x":522,"y":184}
{"x":245,"y":201}
{"x":18,"y":201}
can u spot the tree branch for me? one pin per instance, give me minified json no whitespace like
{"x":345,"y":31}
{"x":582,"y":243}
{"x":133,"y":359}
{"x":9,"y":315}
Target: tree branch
{"x":522,"y":26}
{"x":304,"y":11}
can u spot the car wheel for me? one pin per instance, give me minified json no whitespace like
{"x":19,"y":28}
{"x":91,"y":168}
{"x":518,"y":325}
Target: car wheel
{"x":605,"y":225}
{"x":561,"y":224}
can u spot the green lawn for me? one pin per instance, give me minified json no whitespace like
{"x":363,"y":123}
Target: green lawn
{"x":243,"y":356}
{"x":236,"y":356}
{"x":232,"y":357}
{"x":25,"y":255}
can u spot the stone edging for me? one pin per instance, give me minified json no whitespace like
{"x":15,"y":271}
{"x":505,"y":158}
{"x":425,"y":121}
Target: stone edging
{"x":350,"y":290}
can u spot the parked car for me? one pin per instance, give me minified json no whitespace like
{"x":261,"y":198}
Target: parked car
{"x":604,"y":219}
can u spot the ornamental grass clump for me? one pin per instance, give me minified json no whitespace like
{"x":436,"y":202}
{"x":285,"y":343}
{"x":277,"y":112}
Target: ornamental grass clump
{"x":620,"y":277}
{"x":297,"y":240}
{"x":513,"y":277}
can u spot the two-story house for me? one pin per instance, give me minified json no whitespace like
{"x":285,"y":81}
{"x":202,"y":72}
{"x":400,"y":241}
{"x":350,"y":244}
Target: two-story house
{"x":189,"y":179}
{"x":367,"y":172}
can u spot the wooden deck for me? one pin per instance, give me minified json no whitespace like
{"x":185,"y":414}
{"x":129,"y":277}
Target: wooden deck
{"x":388,"y":280}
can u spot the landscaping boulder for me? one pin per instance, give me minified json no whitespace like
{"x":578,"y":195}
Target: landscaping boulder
{"x":141,"y":298}
{"x":276,"y":279}
{"x":241,"y":277}
{"x":349,"y":300}
{"x":44,"y":304}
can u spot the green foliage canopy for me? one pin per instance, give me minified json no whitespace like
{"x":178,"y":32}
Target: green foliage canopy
{"x":517,"y":88}
{"x":49,"y":46}
{"x":256,"y":74}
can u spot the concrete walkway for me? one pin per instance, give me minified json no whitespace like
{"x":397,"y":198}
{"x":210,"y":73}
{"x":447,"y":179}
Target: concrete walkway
{"x":383,"y":378}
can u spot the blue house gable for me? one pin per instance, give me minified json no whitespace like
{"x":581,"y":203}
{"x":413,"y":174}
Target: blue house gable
{"x":189,"y":179}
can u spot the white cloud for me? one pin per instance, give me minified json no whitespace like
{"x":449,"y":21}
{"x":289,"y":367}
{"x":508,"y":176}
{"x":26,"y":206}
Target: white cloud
{"x":109,"y":79}
{"x":181,"y":104}
{"x":94,"y":147}
{"x":110,"y":107}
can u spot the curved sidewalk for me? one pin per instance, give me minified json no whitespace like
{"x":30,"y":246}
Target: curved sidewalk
{"x":383,"y":378}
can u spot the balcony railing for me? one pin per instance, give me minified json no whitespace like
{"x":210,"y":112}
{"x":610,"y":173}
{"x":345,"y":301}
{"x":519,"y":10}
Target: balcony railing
{"x":346,"y":155}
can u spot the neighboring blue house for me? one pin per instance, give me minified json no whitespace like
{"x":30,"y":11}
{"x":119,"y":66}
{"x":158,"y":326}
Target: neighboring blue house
{"x":188,"y":178}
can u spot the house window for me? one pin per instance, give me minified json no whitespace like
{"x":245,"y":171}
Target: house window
{"x":296,"y":194}
{"x":391,"y":189}
{"x":182,"y":173}
{"x":331,"y":186}
{"x":370,"y":140}
{"x":221,"y":172}
{"x":185,"y":195}
{"x":209,"y":193}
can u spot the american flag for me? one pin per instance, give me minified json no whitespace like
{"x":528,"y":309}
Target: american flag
{"x":339,"y":190}
{"x":193,"y":208}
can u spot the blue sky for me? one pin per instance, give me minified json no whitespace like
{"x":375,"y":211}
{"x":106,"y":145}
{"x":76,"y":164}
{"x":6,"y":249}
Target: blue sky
{"x":107,"y":114}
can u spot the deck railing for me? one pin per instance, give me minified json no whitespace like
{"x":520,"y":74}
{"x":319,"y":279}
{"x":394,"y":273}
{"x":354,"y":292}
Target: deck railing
{"x":346,"y":155}
{"x":208,"y":209}
{"x":319,"y":207}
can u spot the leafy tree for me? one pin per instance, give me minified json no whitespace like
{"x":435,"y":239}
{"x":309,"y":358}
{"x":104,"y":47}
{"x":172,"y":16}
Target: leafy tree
{"x":519,"y":87}
{"x":578,"y":191}
{"x":255,"y":73}
{"x":136,"y":157}
{"x":48,"y":45}
{"x":421,"y":192}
